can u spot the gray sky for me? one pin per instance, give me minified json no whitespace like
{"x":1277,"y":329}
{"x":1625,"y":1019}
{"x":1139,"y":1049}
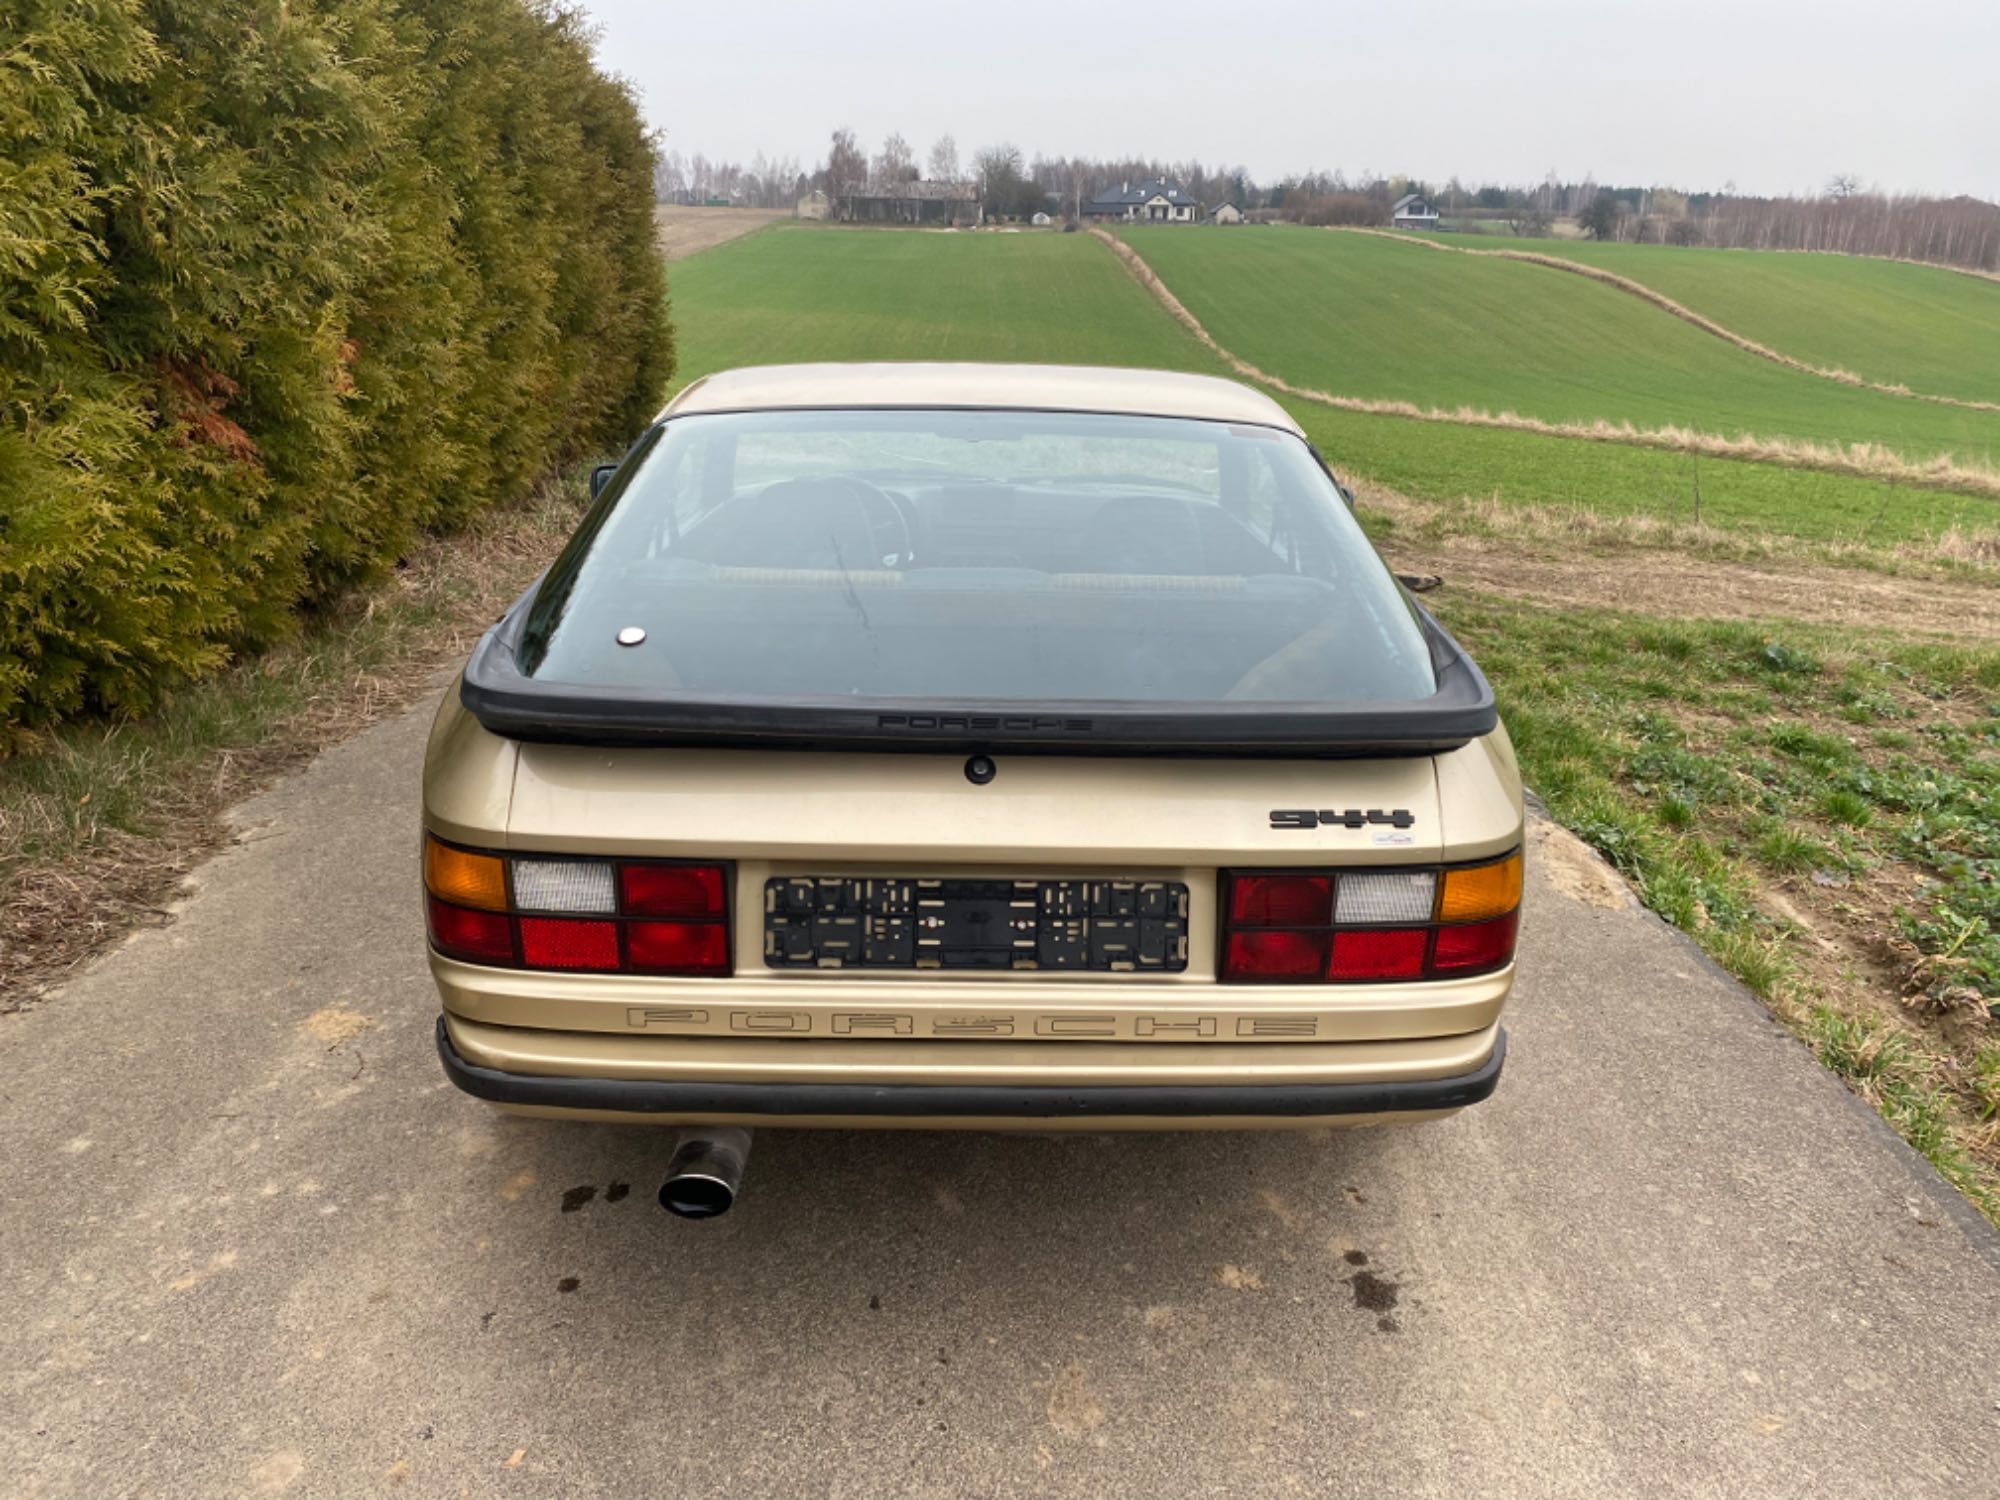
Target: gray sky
{"x":1775,"y":95}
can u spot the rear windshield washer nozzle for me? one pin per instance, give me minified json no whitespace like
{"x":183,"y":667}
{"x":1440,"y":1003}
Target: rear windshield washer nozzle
{"x":631,"y":635}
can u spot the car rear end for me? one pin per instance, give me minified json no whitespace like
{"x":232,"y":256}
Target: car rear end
{"x":873,"y":939}
{"x":821,"y":857}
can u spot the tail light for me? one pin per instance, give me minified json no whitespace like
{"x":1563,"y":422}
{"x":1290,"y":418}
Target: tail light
{"x":581,"y":915}
{"x":1353,"y":926}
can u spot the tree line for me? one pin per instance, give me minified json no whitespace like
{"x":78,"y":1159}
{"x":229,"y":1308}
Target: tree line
{"x":1843,"y":217}
{"x":1011,"y":184}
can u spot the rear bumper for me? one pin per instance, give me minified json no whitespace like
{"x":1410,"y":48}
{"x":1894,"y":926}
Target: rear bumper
{"x":795,"y":1100}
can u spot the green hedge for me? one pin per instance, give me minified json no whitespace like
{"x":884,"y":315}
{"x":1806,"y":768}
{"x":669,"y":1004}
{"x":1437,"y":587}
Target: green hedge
{"x":282,"y":283}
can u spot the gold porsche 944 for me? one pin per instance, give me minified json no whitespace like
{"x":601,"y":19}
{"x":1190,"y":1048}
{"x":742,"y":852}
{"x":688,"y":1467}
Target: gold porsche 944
{"x":986,"y":746}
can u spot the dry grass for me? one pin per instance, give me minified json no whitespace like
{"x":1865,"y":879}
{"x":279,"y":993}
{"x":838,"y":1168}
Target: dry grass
{"x":100,"y":824}
{"x":1679,"y":310}
{"x":686,"y":231}
{"x":1954,"y":556}
{"x":1571,"y":556}
{"x":1857,"y":460}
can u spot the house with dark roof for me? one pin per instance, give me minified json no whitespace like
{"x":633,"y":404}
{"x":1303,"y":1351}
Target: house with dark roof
{"x":1414,"y":211}
{"x":1155,"y":202}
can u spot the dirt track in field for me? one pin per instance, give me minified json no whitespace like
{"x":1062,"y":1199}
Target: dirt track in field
{"x":686,"y":231}
{"x":1659,"y":583}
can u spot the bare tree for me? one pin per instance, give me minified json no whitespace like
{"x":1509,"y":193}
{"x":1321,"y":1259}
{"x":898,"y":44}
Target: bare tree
{"x":670,"y":178}
{"x":998,"y":169}
{"x":846,"y":167}
{"x":944,"y":160}
{"x":894,"y":163}
{"x":1531,"y":218}
{"x":1842,"y":185}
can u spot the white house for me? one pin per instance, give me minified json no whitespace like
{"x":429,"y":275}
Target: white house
{"x":1155,"y":202}
{"x":1414,"y":211}
{"x":1225,"y":213}
{"x":1040,"y":219}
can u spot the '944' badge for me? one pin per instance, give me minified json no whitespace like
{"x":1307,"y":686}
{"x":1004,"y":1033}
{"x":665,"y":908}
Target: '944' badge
{"x":1352,"y":817}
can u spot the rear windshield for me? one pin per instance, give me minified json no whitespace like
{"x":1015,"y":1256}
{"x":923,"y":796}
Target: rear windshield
{"x":954,"y":556}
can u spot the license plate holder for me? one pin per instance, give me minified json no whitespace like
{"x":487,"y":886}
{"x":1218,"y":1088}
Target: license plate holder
{"x":1083,"y":925}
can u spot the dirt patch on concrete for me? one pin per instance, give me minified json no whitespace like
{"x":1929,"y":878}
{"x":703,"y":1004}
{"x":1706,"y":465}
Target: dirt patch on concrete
{"x":686,"y":231}
{"x":1073,"y":1409}
{"x":335,"y":1024}
{"x":1574,"y":868}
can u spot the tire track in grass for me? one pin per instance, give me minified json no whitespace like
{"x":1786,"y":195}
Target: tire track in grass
{"x":1679,"y":310}
{"x":1857,"y":460}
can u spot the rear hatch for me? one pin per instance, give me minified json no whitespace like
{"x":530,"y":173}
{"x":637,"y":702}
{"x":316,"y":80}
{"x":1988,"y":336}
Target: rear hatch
{"x":1108,"y":714}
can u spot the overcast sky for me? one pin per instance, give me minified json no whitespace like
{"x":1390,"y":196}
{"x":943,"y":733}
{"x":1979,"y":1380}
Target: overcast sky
{"x":1774,"y":95}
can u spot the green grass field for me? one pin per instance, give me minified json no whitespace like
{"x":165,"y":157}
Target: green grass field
{"x":1931,"y":329}
{"x":801,"y":293}
{"x":1359,"y":315}
{"x":1438,"y":461}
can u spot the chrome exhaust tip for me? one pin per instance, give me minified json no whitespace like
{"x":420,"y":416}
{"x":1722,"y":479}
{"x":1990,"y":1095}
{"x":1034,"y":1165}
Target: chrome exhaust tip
{"x":706,"y":1173}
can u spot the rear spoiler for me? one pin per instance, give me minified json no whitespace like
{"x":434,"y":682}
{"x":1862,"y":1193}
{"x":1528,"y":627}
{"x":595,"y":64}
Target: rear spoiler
{"x":508,"y":703}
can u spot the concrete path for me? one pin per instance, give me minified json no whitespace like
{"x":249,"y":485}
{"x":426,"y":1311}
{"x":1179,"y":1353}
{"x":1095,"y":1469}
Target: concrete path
{"x":251,"y":1243}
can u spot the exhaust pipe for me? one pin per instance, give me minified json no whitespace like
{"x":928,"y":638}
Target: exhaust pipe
{"x":706,"y":1173}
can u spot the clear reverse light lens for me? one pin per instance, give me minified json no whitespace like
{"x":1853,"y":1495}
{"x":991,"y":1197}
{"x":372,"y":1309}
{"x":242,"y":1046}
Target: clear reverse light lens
{"x":564,"y":885}
{"x":1377,"y":900}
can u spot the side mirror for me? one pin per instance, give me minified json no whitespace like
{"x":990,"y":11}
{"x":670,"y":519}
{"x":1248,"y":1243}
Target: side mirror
{"x":600,"y":477}
{"x":1345,"y":493}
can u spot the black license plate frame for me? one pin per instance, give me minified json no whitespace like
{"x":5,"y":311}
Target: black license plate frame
{"x":961,"y":924}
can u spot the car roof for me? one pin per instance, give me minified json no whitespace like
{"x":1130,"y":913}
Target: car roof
{"x":1080,"y":388}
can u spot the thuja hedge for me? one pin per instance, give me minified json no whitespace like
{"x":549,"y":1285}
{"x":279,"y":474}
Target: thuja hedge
{"x":282,"y":283}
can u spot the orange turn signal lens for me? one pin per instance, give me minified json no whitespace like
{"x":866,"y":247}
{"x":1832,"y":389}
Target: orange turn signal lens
{"x":464,"y":878}
{"x":1483,"y":891}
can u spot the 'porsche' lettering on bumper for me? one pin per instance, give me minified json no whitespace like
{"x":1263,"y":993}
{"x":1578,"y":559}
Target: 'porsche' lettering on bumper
{"x":1097,"y":1026}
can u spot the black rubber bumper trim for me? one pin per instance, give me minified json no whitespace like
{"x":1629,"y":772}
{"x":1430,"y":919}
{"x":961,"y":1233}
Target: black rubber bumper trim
{"x":1024,"y":1101}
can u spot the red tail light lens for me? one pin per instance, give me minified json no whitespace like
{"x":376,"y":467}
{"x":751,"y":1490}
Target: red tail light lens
{"x":1476,"y":945}
{"x":1397,"y":953}
{"x":672,"y":890}
{"x":480,"y":937}
{"x":1381,"y":923}
{"x":565,"y":943}
{"x":678,"y":947}
{"x":1275,"y":955}
{"x":1280,"y":900}
{"x":539,"y":904}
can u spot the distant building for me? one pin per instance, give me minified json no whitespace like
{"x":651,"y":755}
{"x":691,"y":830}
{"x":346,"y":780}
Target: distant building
{"x":1040,"y":219}
{"x":1414,"y":211}
{"x":815,"y":205}
{"x":1155,"y":202}
{"x":908,"y":203}
{"x":1226,"y":213}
